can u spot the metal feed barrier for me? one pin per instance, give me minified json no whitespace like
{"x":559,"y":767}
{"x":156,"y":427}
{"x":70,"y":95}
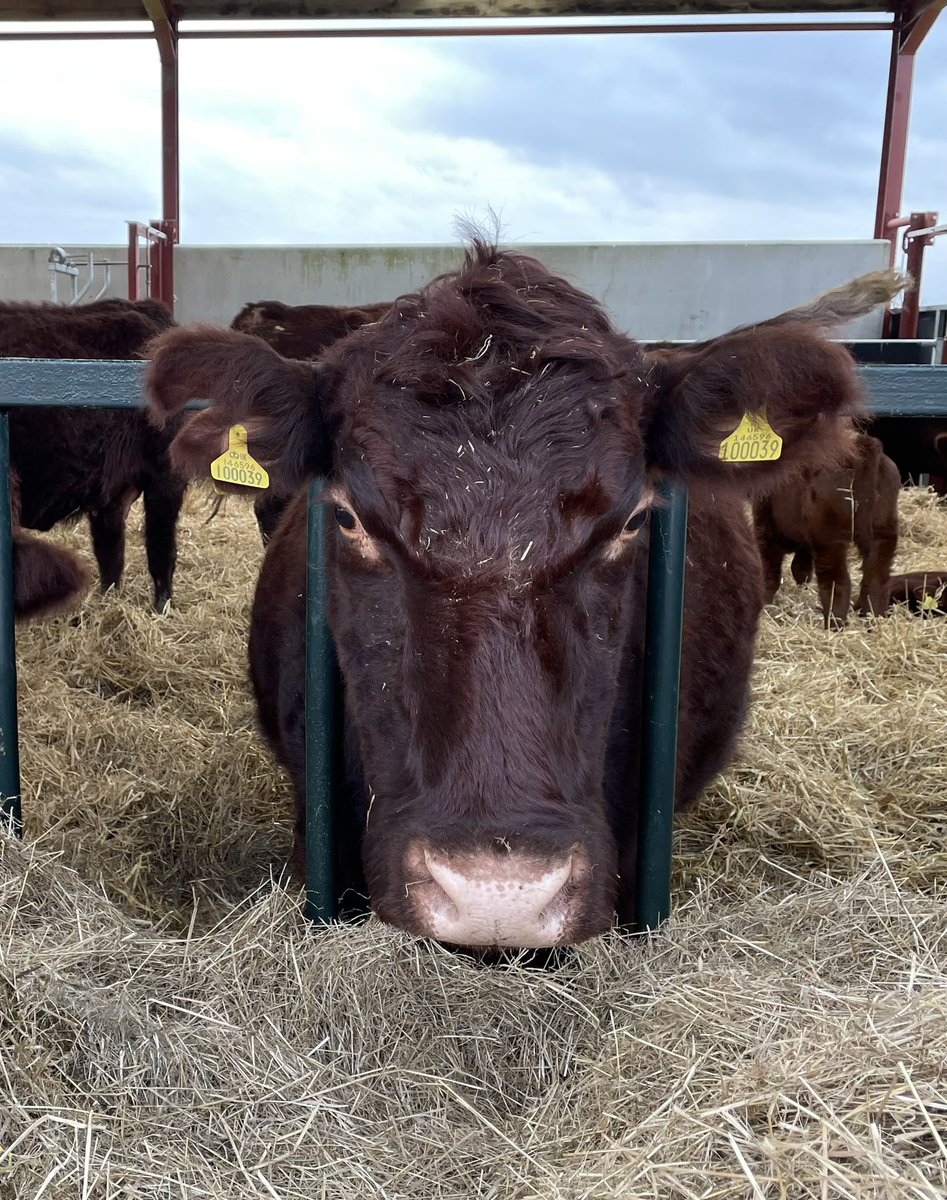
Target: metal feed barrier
{"x":910,"y":391}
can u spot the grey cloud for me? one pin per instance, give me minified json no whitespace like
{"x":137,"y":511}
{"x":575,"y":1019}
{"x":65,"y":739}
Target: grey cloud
{"x":748,"y":116}
{"x":70,"y":195}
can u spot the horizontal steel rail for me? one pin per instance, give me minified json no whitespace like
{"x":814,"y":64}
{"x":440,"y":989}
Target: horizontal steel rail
{"x":486,"y":30}
{"x":892,"y":391}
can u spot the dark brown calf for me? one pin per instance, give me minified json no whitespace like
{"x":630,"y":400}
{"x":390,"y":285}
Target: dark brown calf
{"x":94,"y":461}
{"x":492,"y":447}
{"x":921,"y":591}
{"x":820,"y":515}
{"x":301,"y":331}
{"x":46,"y":578}
{"x":918,"y":445}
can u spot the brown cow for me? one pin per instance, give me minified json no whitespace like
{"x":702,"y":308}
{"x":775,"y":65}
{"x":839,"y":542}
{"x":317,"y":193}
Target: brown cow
{"x":493,"y":446}
{"x":94,"y":461}
{"x":921,"y":591}
{"x":46,"y":577}
{"x":818,"y":516}
{"x":918,"y":445}
{"x":303,"y":330}
{"x":298,"y":331}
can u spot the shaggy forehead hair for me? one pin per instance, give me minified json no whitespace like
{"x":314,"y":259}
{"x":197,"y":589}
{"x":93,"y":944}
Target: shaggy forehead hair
{"x":498,"y":383}
{"x":466,"y":331}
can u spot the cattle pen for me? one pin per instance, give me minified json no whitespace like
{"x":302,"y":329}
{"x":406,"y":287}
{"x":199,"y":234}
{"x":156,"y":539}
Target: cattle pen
{"x":174,"y":1031}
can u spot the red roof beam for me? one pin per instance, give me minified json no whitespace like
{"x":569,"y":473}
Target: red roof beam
{"x":916,"y":21}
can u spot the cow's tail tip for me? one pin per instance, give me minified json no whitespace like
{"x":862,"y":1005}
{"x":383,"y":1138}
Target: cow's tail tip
{"x":853,"y":299}
{"x":878,"y":287}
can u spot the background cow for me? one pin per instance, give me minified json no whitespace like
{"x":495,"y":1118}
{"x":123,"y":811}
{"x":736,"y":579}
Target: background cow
{"x":94,"y":461}
{"x":492,"y":446}
{"x":46,"y":578}
{"x":918,"y":445}
{"x":818,"y":516}
{"x":303,"y":330}
{"x":297,"y":331}
{"x":921,"y":591}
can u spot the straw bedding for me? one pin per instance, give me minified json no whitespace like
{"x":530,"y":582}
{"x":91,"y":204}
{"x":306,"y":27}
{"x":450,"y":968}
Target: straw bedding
{"x":171,"y":1027}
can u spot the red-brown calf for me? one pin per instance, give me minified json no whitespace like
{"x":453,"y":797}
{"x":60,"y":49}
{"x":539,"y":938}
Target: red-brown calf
{"x":46,"y":578}
{"x":820,"y":515}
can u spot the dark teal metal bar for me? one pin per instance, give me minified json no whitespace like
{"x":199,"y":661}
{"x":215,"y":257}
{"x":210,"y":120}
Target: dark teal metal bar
{"x":321,"y":900}
{"x":11,"y":815}
{"x":892,"y":391}
{"x":662,"y":674}
{"x":74,"y":383}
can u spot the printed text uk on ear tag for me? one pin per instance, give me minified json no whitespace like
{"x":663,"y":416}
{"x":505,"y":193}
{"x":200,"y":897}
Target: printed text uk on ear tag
{"x":753,"y":440}
{"x":236,"y":465}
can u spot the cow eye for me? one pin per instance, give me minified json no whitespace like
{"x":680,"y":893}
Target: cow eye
{"x":634,"y":523}
{"x":354,"y":532}
{"x":346,"y":518}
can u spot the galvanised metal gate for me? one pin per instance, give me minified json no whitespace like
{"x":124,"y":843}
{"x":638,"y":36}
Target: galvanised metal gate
{"x":910,"y":391}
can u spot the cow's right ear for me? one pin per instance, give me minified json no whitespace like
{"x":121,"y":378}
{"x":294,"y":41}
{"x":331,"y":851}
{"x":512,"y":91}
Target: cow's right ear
{"x":282,"y":403}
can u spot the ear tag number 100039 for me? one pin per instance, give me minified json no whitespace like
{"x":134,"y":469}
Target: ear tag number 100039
{"x":754,"y":440}
{"x":236,"y":464}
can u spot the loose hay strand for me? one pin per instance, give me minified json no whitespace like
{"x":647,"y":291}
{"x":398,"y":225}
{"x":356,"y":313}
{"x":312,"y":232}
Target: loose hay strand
{"x":171,"y":1027}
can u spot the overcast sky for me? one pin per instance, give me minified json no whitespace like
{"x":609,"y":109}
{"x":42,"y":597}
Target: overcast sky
{"x":630,"y":138}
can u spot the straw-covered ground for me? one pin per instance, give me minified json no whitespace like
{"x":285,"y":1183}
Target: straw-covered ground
{"x":171,"y":1027}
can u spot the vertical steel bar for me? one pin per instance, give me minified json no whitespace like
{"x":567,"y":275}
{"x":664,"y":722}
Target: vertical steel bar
{"x":133,"y":260}
{"x":320,"y":722}
{"x":910,"y":308}
{"x":10,"y":812}
{"x":662,"y":673}
{"x":163,"y":254}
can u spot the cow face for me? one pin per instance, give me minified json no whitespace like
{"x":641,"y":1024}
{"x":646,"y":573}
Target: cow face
{"x":492,"y":448}
{"x":485,"y":530}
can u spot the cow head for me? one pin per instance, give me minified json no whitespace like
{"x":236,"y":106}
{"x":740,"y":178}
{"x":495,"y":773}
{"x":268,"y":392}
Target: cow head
{"x":492,"y":447}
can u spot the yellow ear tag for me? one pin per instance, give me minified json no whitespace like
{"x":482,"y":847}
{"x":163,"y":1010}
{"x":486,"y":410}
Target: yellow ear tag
{"x":753,"y":440}
{"x":929,"y":603}
{"x":236,"y":465}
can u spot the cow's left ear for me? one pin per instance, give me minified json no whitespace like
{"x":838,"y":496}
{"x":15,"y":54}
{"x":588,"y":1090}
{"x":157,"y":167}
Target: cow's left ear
{"x":282,"y":404}
{"x":805,"y":388}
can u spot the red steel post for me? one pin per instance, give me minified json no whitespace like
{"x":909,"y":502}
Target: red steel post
{"x":164,"y":18}
{"x":914,"y":249}
{"x":912,"y":24}
{"x":894,"y":144}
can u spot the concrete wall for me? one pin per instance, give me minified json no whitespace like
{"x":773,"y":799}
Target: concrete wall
{"x":676,"y":291}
